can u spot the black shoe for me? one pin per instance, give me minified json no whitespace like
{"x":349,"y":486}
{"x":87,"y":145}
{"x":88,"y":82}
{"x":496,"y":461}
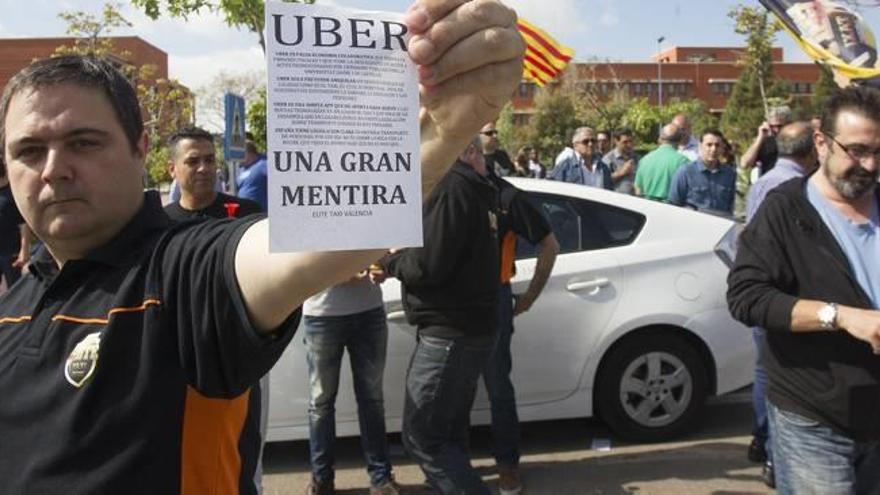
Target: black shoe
{"x":768,"y":475}
{"x":757,"y":453}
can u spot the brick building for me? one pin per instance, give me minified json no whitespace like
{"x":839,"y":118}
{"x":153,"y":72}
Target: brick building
{"x":705,"y":73}
{"x":15,"y":53}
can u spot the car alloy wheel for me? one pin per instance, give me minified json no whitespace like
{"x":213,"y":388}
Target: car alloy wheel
{"x":656,"y":389}
{"x":651,"y":385}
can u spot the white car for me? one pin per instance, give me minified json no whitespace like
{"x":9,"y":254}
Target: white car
{"x":632,"y":325}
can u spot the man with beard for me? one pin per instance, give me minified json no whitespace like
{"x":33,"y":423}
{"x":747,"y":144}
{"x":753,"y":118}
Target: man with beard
{"x":808,"y":271}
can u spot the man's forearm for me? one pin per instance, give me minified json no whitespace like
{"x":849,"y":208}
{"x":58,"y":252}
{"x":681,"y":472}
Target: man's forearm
{"x":273,"y":285}
{"x":750,"y":157}
{"x":548,"y":249}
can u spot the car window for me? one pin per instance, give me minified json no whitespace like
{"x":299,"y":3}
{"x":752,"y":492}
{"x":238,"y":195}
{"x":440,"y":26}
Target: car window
{"x":581,"y":225}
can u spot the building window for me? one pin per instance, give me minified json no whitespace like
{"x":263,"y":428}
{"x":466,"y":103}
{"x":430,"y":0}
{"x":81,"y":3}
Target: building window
{"x":636,"y":89}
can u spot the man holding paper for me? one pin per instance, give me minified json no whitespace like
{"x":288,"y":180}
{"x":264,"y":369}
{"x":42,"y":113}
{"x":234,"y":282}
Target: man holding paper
{"x":123,"y":347}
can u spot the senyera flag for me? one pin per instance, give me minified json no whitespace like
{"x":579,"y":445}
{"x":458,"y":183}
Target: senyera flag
{"x":545,"y":58}
{"x":831,"y":32}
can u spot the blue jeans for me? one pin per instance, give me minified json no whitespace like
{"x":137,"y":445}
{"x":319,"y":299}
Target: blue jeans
{"x":440,"y":386}
{"x":760,"y":427}
{"x":811,"y":458}
{"x":365,"y":336}
{"x":502,"y":396}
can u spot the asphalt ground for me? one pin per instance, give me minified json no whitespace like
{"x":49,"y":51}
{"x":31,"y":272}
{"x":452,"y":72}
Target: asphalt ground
{"x":568,"y":457}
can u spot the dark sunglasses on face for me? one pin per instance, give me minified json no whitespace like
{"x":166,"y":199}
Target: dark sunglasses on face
{"x":587,"y":141}
{"x":489,"y":133}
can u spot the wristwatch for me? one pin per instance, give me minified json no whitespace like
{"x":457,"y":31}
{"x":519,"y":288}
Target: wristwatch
{"x":827,"y":316}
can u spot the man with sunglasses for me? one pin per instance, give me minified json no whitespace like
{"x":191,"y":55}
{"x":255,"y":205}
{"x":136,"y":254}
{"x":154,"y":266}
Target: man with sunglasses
{"x":808,"y":272}
{"x":585,"y":165}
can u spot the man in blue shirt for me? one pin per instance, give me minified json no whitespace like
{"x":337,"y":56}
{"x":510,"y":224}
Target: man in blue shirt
{"x":252,"y":181}
{"x":705,"y":184}
{"x":585,"y":165}
{"x":797,"y":158}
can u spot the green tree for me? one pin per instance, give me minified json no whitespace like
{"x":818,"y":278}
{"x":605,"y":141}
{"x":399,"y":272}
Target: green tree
{"x":747,"y":106}
{"x":166,"y":104}
{"x":240,"y":14}
{"x":823,"y":89}
{"x":256,"y":119}
{"x":554,"y":117}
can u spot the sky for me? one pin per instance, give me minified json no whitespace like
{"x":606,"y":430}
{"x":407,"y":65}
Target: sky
{"x":618,"y":30}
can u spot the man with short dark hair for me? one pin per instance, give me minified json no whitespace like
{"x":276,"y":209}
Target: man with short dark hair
{"x":797,"y":158}
{"x":450,"y":293}
{"x":129,"y":344}
{"x":252,"y":180}
{"x":808,"y":271}
{"x":705,"y":184}
{"x":623,"y":162}
{"x":657,"y":168}
{"x":193,"y":163}
{"x":585,"y":165}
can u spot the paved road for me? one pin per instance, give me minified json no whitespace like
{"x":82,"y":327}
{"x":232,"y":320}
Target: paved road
{"x":558,"y":459}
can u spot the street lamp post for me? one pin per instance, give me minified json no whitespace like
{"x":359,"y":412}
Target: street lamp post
{"x":659,"y":73}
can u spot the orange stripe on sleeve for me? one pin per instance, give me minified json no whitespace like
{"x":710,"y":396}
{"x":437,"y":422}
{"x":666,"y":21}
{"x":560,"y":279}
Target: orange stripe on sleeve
{"x":104,"y":321}
{"x":15,"y":319}
{"x":210,"y":461}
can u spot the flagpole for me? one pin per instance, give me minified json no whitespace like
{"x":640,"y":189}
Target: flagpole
{"x":659,"y":73}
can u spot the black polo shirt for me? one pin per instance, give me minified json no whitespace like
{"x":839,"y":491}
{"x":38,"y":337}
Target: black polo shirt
{"x":238,"y":207}
{"x":125,"y":371}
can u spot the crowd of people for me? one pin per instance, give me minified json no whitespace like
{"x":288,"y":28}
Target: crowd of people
{"x":700,"y":172}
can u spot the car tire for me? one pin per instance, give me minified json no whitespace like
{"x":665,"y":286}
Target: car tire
{"x":651,"y":387}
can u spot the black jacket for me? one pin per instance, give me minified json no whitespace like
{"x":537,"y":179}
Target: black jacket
{"x":787,"y":253}
{"x":450,"y":286}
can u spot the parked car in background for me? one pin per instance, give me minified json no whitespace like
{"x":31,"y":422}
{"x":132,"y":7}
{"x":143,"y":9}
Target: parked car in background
{"x":632,"y":325}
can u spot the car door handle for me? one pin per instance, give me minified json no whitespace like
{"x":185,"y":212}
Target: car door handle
{"x":396,"y":315}
{"x":593,"y":285}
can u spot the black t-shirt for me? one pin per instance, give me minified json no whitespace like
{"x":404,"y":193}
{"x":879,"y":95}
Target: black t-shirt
{"x":124,"y":370}
{"x":10,"y":220}
{"x":217,"y":209}
{"x":499,"y":163}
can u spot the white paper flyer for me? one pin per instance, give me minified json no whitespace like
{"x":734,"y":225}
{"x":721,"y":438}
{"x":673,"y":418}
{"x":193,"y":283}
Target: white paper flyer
{"x":343,"y":132}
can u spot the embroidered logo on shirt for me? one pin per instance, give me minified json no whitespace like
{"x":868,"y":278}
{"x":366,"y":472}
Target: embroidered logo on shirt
{"x":81,"y":363}
{"x":493,"y":222}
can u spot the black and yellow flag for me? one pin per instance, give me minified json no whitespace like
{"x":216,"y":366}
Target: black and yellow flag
{"x":833,"y":33}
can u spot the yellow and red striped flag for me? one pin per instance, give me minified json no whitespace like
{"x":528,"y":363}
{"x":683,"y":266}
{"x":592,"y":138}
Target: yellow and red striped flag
{"x":545,"y":58}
